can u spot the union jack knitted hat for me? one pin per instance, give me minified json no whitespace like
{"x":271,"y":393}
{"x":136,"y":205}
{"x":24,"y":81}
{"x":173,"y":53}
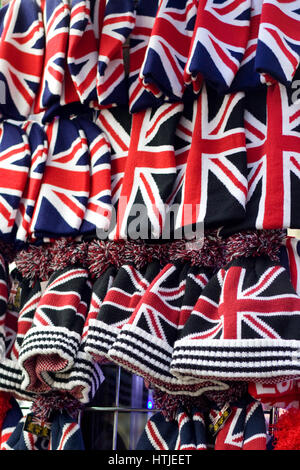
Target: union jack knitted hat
{"x":244,"y":429}
{"x":245,"y":326}
{"x":52,"y":342}
{"x":145,"y":344}
{"x":116,"y":307}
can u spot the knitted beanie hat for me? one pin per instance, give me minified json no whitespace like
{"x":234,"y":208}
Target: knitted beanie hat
{"x":22,"y":64}
{"x":14,"y":167}
{"x":12,"y":418}
{"x":245,"y":326}
{"x":38,"y":144}
{"x":62,"y":200}
{"x":145,"y":344}
{"x":119,"y":303}
{"x":53,"y":340}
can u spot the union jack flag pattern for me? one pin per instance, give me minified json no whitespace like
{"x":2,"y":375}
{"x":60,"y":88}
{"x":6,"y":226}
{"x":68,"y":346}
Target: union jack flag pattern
{"x":120,"y":301}
{"x":139,"y":97}
{"x":186,"y":432}
{"x":245,"y":429}
{"x":213,"y":181}
{"x":149,"y":172}
{"x":272,"y":141}
{"x":56,"y":19}
{"x":83,"y":46}
{"x":65,"y":433}
{"x":21,"y":56}
{"x":145,"y":344}
{"x":167,"y":52}
{"x":119,"y":20}
{"x":64,"y":192}
{"x":4,"y":288}
{"x":14,"y":167}
{"x":39,"y":151}
{"x":243,"y":327}
{"x":98,"y":210}
{"x":219,"y":42}
{"x":290,"y":259}
{"x":116,"y":124}
{"x":24,"y":440}
{"x":10,"y":422}
{"x":52,"y":342}
{"x":278,"y":47}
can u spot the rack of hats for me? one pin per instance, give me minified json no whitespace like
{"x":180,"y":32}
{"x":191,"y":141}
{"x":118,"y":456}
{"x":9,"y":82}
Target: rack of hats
{"x":145,"y":211}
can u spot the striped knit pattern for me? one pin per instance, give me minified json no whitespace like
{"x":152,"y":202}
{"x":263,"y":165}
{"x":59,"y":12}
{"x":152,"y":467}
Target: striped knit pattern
{"x":245,"y":326}
{"x":52,"y":342}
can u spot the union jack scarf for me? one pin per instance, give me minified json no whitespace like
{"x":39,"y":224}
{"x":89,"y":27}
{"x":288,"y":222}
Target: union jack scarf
{"x":149,"y":172}
{"x":245,"y":429}
{"x":219,"y":41}
{"x":51,"y":343}
{"x":119,"y":20}
{"x":145,"y":343}
{"x":139,"y":96}
{"x":278,"y":49}
{"x":65,"y":188}
{"x":168,"y":48}
{"x":271,"y":121}
{"x":210,"y":149}
{"x":21,"y":56}
{"x":38,"y":144}
{"x":10,"y":422}
{"x":15,"y":161}
{"x":246,"y":316}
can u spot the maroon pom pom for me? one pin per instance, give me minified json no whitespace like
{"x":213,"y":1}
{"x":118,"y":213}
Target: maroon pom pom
{"x":34,"y":262}
{"x":44,"y":405}
{"x":67,"y":252}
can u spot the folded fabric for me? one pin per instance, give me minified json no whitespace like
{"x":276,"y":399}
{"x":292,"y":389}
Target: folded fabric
{"x":271,"y":122}
{"x":98,"y":210}
{"x":139,"y":96}
{"x":167,"y":52}
{"x":278,"y":50}
{"x":21,"y":56}
{"x":112,"y":309}
{"x":244,"y":429}
{"x":64,"y":192}
{"x":4,"y":292}
{"x":85,"y":29}
{"x":52,"y":342}
{"x":118,"y":22}
{"x":149,"y":173}
{"x":211,"y":185}
{"x":219,"y":41}
{"x":145,"y":344}
{"x":15,"y":161}
{"x":56,"y":87}
{"x":38,"y":145}
{"x":243,"y":327}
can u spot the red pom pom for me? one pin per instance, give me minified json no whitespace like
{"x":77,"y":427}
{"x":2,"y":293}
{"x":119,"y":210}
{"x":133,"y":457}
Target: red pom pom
{"x":287,"y":430}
